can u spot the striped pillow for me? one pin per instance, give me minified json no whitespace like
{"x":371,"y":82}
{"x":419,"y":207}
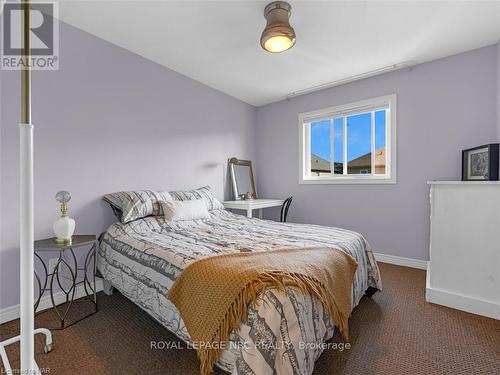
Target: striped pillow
{"x":132,"y":205}
{"x":204,"y":193}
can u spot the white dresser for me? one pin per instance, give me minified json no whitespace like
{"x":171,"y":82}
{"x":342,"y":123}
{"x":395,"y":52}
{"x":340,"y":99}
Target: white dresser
{"x":464,"y":267}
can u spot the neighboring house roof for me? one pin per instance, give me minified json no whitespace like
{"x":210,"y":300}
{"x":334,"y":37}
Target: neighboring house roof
{"x":365,"y":160}
{"x":318,"y":164}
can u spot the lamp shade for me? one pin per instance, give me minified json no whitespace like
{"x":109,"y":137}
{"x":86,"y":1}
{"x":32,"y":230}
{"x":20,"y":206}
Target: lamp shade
{"x":278,"y":35}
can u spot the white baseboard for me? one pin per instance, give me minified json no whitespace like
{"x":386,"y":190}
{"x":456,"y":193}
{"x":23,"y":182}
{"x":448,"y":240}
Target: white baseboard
{"x":472,"y":305}
{"x":12,"y":312}
{"x":400,"y":261}
{"x":458,"y":301}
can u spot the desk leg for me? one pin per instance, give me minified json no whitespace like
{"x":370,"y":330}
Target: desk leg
{"x":249,"y":213}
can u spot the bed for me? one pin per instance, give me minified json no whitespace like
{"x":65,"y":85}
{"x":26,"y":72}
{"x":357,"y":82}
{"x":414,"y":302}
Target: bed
{"x":283,"y":333}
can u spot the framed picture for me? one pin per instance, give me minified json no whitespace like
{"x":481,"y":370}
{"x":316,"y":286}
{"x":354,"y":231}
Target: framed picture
{"x":480,"y":163}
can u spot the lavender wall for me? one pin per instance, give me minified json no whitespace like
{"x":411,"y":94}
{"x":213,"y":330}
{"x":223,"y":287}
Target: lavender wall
{"x":110,"y":120}
{"x":443,"y":107}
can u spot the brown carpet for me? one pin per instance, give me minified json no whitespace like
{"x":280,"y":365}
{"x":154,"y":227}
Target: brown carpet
{"x":395,"y":332}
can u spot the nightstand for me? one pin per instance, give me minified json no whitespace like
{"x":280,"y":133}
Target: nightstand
{"x":67,"y":267}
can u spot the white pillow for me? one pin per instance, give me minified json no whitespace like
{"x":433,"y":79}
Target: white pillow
{"x":185,"y":210}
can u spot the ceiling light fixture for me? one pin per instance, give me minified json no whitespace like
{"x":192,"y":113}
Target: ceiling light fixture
{"x":278,"y":36}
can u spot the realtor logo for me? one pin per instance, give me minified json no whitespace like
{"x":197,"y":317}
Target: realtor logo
{"x":44,"y":33}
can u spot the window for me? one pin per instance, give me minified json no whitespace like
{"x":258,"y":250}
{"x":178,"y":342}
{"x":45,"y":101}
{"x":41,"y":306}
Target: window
{"x":353,"y":143}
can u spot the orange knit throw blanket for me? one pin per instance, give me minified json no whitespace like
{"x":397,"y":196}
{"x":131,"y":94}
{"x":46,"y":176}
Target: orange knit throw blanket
{"x":212,"y":294}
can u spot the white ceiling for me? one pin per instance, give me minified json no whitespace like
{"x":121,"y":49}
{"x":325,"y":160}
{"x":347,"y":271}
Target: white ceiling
{"x":217,"y":42}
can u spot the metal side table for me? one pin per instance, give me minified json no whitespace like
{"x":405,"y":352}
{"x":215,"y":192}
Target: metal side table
{"x":68,"y":260}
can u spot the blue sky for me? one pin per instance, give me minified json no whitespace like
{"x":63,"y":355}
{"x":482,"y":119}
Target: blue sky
{"x":358,"y":136}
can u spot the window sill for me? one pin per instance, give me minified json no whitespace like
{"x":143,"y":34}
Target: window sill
{"x":347,"y":180}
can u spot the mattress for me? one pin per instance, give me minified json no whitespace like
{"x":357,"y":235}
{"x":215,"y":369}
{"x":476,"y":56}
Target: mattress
{"x":284,"y":332}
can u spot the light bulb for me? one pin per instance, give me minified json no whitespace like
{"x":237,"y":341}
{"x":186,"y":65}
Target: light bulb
{"x":278,"y":44}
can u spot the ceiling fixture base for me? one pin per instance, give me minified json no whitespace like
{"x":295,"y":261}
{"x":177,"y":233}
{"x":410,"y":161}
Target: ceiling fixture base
{"x":278,"y":35}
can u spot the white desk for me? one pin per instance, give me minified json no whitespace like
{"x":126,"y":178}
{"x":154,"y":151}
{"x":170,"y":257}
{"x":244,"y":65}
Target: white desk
{"x":253,"y":204}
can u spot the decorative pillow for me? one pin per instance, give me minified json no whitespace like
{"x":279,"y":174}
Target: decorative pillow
{"x":132,"y":205}
{"x":201,"y":193}
{"x":185,"y":210}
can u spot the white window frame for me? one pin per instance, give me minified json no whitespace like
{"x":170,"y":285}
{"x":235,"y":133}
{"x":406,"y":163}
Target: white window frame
{"x":387,"y":102}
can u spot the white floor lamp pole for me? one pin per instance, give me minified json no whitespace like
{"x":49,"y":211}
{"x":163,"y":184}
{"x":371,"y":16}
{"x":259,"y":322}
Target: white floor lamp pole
{"x":26,"y":208}
{"x":27,"y":315}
